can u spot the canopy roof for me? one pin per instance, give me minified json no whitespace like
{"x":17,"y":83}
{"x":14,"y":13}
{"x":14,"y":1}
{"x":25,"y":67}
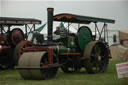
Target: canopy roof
{"x":66,"y":17}
{"x":18,"y":21}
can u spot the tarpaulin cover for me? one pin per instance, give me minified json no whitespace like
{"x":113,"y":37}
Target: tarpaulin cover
{"x":119,"y":52}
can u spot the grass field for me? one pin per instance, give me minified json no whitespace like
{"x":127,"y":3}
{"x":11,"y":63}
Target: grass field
{"x":12,"y":77}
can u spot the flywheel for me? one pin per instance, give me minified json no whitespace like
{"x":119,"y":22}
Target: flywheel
{"x":84,"y":36}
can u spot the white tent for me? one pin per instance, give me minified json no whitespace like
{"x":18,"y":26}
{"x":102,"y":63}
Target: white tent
{"x":124,"y":38}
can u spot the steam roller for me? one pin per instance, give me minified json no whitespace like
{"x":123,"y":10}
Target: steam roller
{"x":70,"y":52}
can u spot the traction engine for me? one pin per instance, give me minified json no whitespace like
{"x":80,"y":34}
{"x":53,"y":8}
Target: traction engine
{"x":10,"y":36}
{"x":8,"y":41}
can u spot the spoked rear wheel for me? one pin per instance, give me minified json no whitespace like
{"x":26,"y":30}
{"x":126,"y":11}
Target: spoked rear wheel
{"x":97,"y":58}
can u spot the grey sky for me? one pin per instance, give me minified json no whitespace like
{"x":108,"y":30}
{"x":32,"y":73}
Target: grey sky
{"x":117,"y":10}
{"x":0,"y":7}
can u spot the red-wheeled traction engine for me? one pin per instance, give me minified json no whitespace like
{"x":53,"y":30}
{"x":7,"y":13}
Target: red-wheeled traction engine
{"x":10,"y":35}
{"x":70,"y":52}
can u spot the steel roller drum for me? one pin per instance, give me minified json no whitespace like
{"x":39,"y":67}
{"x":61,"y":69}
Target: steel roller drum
{"x":84,"y":36}
{"x":23,"y":62}
{"x":31,"y":60}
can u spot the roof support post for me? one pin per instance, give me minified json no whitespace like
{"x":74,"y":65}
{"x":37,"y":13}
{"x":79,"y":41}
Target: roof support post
{"x":105,"y":33}
{"x":106,"y":27}
{"x":1,"y":29}
{"x":78,"y":25}
{"x":34,"y":27}
{"x":96,"y":28}
{"x":103,"y":30}
{"x":26,"y":32}
{"x":68,"y":27}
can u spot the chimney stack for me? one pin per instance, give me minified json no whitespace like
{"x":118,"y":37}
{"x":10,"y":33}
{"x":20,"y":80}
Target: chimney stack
{"x":50,"y":23}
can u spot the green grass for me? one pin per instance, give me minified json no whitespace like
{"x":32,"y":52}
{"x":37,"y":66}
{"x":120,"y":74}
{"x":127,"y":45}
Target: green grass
{"x":12,"y":77}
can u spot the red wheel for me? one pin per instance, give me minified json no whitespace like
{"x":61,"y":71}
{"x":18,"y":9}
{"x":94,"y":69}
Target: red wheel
{"x":18,"y":51}
{"x":17,"y":35}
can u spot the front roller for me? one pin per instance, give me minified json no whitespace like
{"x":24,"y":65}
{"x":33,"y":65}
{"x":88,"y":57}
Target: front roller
{"x":30,"y":64}
{"x":96,"y":57}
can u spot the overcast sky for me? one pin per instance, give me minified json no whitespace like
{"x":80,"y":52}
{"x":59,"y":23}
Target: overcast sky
{"x":0,"y":7}
{"x":113,"y":9}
